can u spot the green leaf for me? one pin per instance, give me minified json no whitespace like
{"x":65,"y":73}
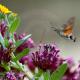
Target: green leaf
{"x":20,"y":65}
{"x":19,"y":42}
{"x":58,"y":74}
{"x":22,"y":54}
{"x":46,"y":75}
{"x":6,"y":42}
{"x":14,"y":65}
{"x":2,"y":16}
{"x":12,"y":37}
{"x":38,"y":74}
{"x":2,"y":74}
{"x":2,"y":40}
{"x":14,"y":25}
{"x":41,"y":77}
{"x":10,"y":17}
{"x":6,"y":66}
{"x":17,"y":65}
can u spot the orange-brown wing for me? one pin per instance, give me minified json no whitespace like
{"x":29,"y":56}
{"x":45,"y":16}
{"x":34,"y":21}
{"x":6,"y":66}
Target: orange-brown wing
{"x":67,"y":30}
{"x":71,"y":21}
{"x":68,"y":27}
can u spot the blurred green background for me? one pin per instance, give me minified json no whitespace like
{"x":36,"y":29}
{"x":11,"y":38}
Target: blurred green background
{"x":36,"y":16}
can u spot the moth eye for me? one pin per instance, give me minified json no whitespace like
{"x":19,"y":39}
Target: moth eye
{"x":70,"y":37}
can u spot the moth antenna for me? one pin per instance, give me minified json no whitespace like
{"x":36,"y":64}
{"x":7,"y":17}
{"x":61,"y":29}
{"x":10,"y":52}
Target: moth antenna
{"x":52,"y":26}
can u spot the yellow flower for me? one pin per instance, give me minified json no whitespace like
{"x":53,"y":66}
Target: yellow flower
{"x":4,"y":9}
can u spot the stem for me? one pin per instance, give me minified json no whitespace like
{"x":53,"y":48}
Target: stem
{"x":28,"y":73}
{"x":26,"y":70}
{"x":23,"y":68}
{"x":7,"y":20}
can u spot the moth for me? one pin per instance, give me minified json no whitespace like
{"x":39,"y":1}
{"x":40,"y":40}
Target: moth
{"x":67,"y":30}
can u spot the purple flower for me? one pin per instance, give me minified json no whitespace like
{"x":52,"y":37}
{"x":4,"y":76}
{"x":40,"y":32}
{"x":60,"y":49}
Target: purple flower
{"x":70,"y":62}
{"x":10,"y":76}
{"x":3,"y":28}
{"x":4,"y":54}
{"x":47,"y":57}
{"x":72,"y":72}
{"x":28,"y":61}
{"x":14,"y":75}
{"x":27,"y":44}
{"x":69,"y":75}
{"x":20,"y":76}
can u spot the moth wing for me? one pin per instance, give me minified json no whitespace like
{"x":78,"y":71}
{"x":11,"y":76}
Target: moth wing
{"x":68,"y":30}
{"x":70,"y":23}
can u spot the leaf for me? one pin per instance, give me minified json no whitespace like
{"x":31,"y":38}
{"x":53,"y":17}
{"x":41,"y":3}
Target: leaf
{"x":58,"y":74}
{"x":2,"y":16}
{"x":6,"y":66}
{"x":22,"y":54}
{"x":12,"y":37}
{"x":19,"y":42}
{"x":14,"y":25}
{"x":38,"y":74}
{"x":10,"y":17}
{"x":41,"y":77}
{"x":46,"y":75}
{"x":6,"y":42}
{"x":17,"y":65}
{"x":2,"y":74}
{"x":20,"y":65}
{"x":2,"y":40}
{"x":14,"y":65}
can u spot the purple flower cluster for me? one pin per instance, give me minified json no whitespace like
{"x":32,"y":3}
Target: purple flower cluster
{"x":3,"y":28}
{"x":4,"y":52}
{"x":27,"y":44}
{"x":73,"y":71}
{"x":47,"y":57}
{"x":10,"y":76}
{"x":27,"y":60}
{"x":5,"y":55}
{"x":14,"y":75}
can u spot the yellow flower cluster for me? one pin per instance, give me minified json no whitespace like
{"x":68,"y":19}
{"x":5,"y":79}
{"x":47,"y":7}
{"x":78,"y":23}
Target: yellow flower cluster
{"x":4,"y":9}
